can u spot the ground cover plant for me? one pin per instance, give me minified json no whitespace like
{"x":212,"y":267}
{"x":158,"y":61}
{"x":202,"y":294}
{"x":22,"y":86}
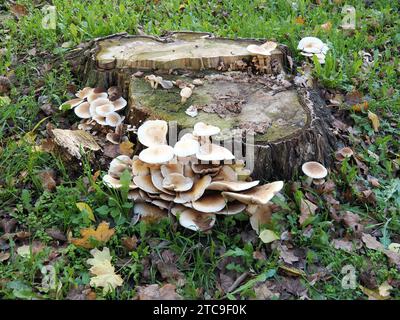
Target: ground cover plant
{"x":64,"y":234}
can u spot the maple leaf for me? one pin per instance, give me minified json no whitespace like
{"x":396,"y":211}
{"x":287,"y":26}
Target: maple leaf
{"x":103,"y":270}
{"x":102,"y":234}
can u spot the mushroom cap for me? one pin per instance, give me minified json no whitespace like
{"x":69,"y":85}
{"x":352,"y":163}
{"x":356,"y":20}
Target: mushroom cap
{"x":201,"y":129}
{"x":134,"y":195}
{"x":167,"y":169}
{"x":205,"y":168}
{"x":187,"y":147}
{"x":157,"y":180}
{"x":235,"y":186}
{"x":177,"y":182}
{"x":113,"y":138}
{"x":232,"y":208}
{"x":187,"y":136}
{"x":177,"y":208}
{"x":83,"y":110}
{"x":186,"y":92}
{"x":210,"y":203}
{"x":196,"y":221}
{"x":214,"y":152}
{"x":139,"y":168}
{"x":145,"y":184}
{"x":346,"y":152}
{"x":257,"y":195}
{"x":314,"y":170}
{"x":73,"y":103}
{"x":94,"y":96}
{"x":196,"y":192}
{"x":227,"y":173}
{"x":83,"y":93}
{"x":153,"y":132}
{"x":312,"y":45}
{"x":149,"y":212}
{"x":118,"y":165}
{"x":113,"y":119}
{"x":100,"y":119}
{"x":157,"y":154}
{"x":269,"y":45}
{"x":119,"y":104}
{"x":105,"y":109}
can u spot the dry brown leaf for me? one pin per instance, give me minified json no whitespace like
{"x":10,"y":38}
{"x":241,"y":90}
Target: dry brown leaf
{"x":326,"y":26}
{"x":352,"y":220}
{"x":74,"y":140}
{"x":130,"y":243}
{"x":342,"y":244}
{"x":18,"y":10}
{"x":287,"y":255}
{"x":360,"y":107}
{"x":126,"y":148}
{"x":374,"y":120}
{"x":48,"y":180}
{"x":307,"y":209}
{"x":154,"y":292}
{"x":299,"y":20}
{"x":4,"y":256}
{"x":372,"y":243}
{"x":263,"y":292}
{"x":102,"y":234}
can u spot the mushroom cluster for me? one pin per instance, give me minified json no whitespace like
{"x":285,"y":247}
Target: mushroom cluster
{"x":190,"y":180}
{"x":310,"y":46}
{"x":99,"y":105}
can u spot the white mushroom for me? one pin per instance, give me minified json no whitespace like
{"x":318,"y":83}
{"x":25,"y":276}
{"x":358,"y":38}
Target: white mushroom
{"x":119,"y":104}
{"x":186,"y":147}
{"x":185,"y":94}
{"x":232,"y":208}
{"x":196,"y":192}
{"x":84,"y":93}
{"x":145,"y":184}
{"x":157,"y":154}
{"x":153,"y":132}
{"x":235,"y":186}
{"x":113,"y":119}
{"x":201,"y":129}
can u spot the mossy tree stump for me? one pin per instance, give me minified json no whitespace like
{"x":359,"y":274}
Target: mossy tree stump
{"x":238,"y":91}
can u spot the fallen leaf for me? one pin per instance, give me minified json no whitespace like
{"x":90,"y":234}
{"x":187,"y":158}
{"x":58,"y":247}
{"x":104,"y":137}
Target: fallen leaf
{"x":360,"y":107}
{"x":287,"y":255}
{"x":4,"y":256}
{"x":263,"y":292}
{"x":48,"y":180}
{"x":74,"y":140}
{"x":342,"y":244}
{"x":56,"y":234}
{"x":374,"y":120}
{"x":372,"y":243}
{"x":82,"y":206}
{"x":103,"y":270}
{"x":102,"y":234}
{"x":299,"y":20}
{"x":154,"y":292}
{"x":372,"y":294}
{"x":395,"y":247}
{"x":24,"y":251}
{"x":384,"y":289}
{"x":326,"y":26}
{"x":130,"y":243}
{"x":307,"y":209}
{"x":126,"y":148}
{"x":8,"y":225}
{"x":268,"y":236}
{"x":18,"y":10}
{"x":352,"y":220}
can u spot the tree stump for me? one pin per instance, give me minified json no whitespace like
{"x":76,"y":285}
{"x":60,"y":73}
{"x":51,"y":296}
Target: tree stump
{"x":236,"y":91}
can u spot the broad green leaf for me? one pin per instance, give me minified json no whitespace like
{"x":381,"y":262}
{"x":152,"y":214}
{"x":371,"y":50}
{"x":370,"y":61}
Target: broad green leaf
{"x":84,"y":206}
{"x":268,"y":236}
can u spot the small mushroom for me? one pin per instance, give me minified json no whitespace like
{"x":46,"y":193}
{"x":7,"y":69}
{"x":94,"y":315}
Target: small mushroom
{"x":226,"y":174}
{"x":201,"y":129}
{"x":73,"y":103}
{"x":197,"y":82}
{"x":232,"y":208}
{"x":139,"y":168}
{"x":84,"y":93}
{"x":167,"y":169}
{"x":177,"y":182}
{"x":341,"y":154}
{"x":113,"y":119}
{"x":314,"y":171}
{"x":119,"y":104}
{"x":118,"y":165}
{"x":157,"y":154}
{"x":185,"y":94}
{"x":186,"y":147}
{"x":258,"y":195}
{"x":205,"y":168}
{"x":262,"y":50}
{"x":157,"y":180}
{"x":114,"y":93}
{"x":94,"y":96}
{"x":116,"y":183}
{"x":153,"y":132}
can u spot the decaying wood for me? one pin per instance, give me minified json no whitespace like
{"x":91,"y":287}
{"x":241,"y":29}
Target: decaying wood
{"x":74,"y":140}
{"x":291,"y":124}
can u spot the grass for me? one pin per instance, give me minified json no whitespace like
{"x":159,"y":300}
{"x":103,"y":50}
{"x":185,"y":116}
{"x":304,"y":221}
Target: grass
{"x":198,"y":255}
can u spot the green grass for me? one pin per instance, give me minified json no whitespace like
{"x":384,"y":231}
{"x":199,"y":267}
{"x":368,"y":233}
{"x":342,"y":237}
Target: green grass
{"x":198,"y":255}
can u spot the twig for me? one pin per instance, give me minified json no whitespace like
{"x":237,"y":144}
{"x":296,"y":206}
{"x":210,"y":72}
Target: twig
{"x":238,"y":281}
